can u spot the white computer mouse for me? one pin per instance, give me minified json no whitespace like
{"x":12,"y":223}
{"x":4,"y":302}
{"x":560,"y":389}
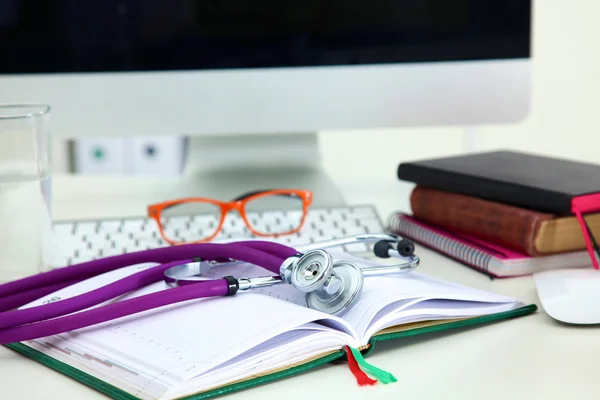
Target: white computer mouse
{"x":570,"y":295}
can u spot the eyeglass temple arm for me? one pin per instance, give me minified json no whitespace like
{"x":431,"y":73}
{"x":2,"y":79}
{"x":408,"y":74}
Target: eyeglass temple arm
{"x":169,"y":206}
{"x":250,"y":194}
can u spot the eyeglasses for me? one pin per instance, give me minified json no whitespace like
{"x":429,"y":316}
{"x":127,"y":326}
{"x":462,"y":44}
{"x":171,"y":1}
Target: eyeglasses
{"x":264,"y":213}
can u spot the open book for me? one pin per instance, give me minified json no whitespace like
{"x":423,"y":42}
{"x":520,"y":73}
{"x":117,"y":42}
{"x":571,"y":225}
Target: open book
{"x":207,"y":347}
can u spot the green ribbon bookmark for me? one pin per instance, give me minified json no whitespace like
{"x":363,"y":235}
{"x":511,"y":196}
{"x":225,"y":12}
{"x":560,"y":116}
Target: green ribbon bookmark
{"x":381,"y":375}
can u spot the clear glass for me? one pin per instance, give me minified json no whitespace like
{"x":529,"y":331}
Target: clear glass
{"x":25,"y":190}
{"x":285,"y":213}
{"x":191,"y":221}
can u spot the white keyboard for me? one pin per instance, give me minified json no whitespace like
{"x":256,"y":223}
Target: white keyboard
{"x":80,"y":241}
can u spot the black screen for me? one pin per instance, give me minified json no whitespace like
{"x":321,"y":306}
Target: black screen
{"x":143,"y":35}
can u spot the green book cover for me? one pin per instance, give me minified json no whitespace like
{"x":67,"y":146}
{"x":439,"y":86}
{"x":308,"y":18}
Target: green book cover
{"x":388,"y":334}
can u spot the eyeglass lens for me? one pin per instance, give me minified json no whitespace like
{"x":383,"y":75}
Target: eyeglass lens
{"x":274,"y":214}
{"x":190,"y":221}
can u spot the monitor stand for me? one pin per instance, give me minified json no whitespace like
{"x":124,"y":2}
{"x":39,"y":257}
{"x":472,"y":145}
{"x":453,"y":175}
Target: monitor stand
{"x":226,"y":166}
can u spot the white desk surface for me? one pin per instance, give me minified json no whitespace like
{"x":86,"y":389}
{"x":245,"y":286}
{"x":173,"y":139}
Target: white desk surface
{"x":532,"y":357}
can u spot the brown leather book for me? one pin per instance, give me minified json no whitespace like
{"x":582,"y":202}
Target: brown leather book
{"x":531,"y":232}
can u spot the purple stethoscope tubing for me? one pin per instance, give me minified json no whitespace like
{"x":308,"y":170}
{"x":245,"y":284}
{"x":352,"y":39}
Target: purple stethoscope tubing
{"x":58,"y":317}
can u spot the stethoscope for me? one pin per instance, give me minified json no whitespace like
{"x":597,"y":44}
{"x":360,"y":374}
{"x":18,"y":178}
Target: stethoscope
{"x":331,"y":286}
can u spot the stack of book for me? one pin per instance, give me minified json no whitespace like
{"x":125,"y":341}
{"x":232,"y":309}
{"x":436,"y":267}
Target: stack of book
{"x":504,"y":213}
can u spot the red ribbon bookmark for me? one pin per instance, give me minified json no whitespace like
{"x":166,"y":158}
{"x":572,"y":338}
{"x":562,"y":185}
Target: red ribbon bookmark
{"x":358,"y":373}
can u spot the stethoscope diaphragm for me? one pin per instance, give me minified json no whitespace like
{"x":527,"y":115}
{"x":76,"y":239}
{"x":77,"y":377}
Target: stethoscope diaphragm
{"x":311,"y":270}
{"x":349,"y":285}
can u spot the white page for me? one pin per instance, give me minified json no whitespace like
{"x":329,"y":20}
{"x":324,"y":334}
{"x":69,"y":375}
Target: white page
{"x":380,"y":292}
{"x":188,"y":340}
{"x":288,"y":346}
{"x":434,"y":309}
{"x":104,"y":369}
{"x":278,"y":361}
{"x":285,"y":343}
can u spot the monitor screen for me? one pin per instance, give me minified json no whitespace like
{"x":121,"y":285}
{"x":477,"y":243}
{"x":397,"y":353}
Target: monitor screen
{"x":62,"y":36}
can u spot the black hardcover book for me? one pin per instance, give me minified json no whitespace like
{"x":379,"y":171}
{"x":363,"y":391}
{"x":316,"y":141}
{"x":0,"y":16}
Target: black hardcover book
{"x":525,"y":180}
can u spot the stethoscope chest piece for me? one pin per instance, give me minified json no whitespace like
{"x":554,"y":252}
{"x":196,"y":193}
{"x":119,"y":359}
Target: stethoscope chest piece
{"x":311,"y":270}
{"x":340,"y":289}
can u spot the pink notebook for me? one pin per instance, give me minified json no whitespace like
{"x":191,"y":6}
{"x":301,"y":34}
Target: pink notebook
{"x":486,"y":257}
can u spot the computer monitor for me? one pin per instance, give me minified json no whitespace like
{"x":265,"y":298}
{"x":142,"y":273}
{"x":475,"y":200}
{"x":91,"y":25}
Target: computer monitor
{"x":251,"y":82}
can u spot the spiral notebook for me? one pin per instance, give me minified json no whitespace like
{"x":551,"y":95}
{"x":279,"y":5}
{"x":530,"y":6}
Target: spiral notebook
{"x":486,"y":257}
{"x":210,"y":347}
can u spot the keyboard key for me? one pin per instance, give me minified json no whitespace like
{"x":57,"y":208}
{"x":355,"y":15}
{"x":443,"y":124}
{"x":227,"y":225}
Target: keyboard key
{"x":84,"y":255}
{"x":85,"y":228}
{"x":372,"y":226}
{"x":109,"y":251}
{"x":367,"y":212}
{"x":110,"y":226}
{"x":133,"y":225}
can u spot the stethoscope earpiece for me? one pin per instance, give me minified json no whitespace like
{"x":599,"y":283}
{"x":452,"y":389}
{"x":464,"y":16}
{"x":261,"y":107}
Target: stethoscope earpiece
{"x":406,"y":248}
{"x":384,"y":249}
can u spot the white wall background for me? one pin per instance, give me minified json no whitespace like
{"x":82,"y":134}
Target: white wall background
{"x":564,"y":118}
{"x":565,"y":110}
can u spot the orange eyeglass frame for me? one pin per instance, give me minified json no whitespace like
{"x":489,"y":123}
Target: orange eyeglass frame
{"x":239,"y":204}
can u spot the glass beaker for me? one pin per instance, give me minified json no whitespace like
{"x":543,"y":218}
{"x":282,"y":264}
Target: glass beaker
{"x":25,"y":190}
